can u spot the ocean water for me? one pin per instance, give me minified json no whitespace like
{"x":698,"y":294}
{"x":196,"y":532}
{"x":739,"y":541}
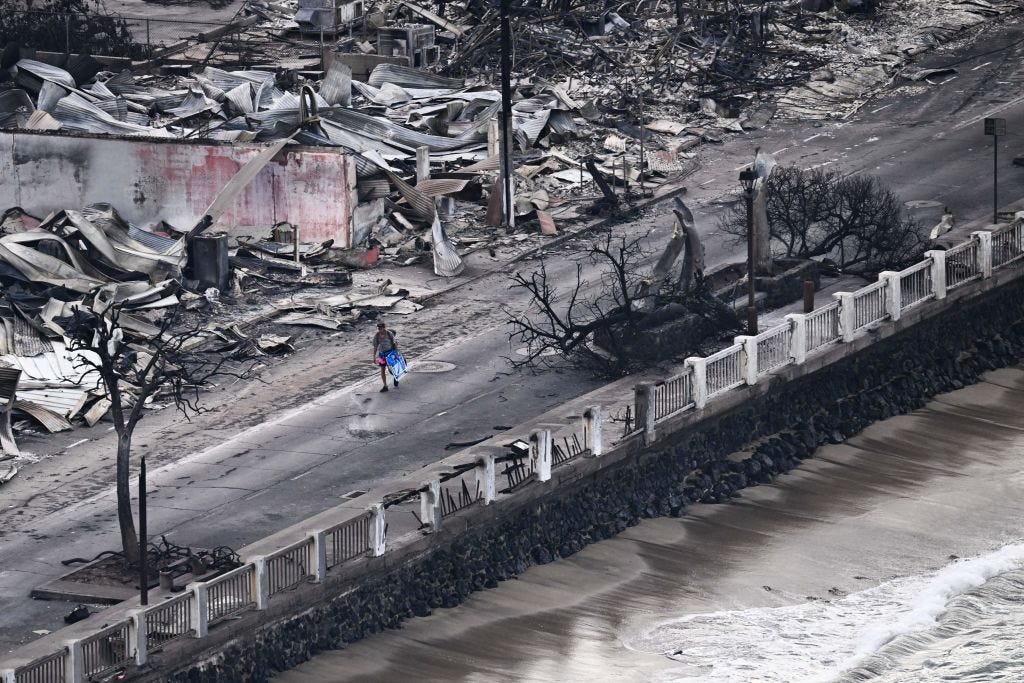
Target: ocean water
{"x":963,"y":623}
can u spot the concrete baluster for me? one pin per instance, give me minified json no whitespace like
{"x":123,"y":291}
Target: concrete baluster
{"x":318,"y":554}
{"x":797,"y":337}
{"x":592,"y":424}
{"x":200,"y":611}
{"x":260,"y":583}
{"x":644,"y":402}
{"x":74,"y":665}
{"x":748,"y":358}
{"x":540,"y":447}
{"x":847,"y":314}
{"x":984,"y":238}
{"x":938,"y":258}
{"x":700,"y":381}
{"x":486,"y":476}
{"x":430,"y":505}
{"x":893,"y":293}
{"x":137,"y":636}
{"x":378,"y":541}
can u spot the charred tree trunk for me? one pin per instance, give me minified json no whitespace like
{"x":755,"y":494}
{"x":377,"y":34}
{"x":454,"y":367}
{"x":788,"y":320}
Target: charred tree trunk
{"x":129,"y":539}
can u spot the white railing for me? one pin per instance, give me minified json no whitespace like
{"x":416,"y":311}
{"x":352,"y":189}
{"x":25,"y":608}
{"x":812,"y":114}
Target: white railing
{"x":673,"y":395}
{"x":290,"y":566}
{"x":869,"y":306}
{"x":724,"y":370}
{"x":916,"y":284}
{"x":231,"y":593}
{"x":773,"y":348}
{"x":169,"y":621}
{"x":348,"y":540}
{"x":106,"y":651}
{"x":962,"y":264}
{"x":253,"y":584}
{"x":821,"y":327}
{"x":1007,"y":244}
{"x":48,"y":669}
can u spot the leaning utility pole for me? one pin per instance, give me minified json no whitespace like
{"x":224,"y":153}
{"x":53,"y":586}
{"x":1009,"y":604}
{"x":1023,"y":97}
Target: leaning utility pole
{"x":507,"y":185}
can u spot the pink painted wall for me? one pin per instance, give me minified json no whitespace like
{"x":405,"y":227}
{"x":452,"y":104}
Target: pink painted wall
{"x":149,"y":180}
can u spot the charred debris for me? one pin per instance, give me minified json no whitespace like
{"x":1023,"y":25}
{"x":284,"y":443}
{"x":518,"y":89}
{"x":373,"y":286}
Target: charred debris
{"x":611,"y":102}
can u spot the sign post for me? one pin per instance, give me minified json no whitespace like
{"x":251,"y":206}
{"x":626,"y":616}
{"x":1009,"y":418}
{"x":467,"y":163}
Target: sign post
{"x":995,"y":128}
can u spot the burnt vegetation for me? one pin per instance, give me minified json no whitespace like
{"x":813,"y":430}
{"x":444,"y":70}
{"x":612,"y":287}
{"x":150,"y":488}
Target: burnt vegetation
{"x":853,"y":221}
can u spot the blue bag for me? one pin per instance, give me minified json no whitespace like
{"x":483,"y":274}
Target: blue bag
{"x":396,"y":363}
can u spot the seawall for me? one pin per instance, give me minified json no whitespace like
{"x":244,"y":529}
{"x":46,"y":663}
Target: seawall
{"x":934,"y":348}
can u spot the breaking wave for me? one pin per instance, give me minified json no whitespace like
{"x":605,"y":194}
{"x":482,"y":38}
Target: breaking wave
{"x":960,"y":623}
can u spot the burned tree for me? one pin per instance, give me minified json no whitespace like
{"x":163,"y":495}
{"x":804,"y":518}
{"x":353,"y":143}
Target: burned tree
{"x":133,"y":368}
{"x":615,"y":322}
{"x":854,"y":221}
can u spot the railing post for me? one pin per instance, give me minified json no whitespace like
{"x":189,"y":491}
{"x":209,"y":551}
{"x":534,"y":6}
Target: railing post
{"x":645,"y":413}
{"x":984,"y":238}
{"x":485,"y":475}
{"x":592,"y":425}
{"x":430,"y":504}
{"x":200,"y":611}
{"x":7,"y":676}
{"x":893,"y":296}
{"x":749,"y":356}
{"x":378,"y":540}
{"x":797,"y":337}
{"x":137,"y":636}
{"x":318,"y":555}
{"x":540,"y":445}
{"x":260,"y":583}
{"x":74,"y":671}
{"x":700,"y":381}
{"x":847,"y":314}
{"x":938,"y":258}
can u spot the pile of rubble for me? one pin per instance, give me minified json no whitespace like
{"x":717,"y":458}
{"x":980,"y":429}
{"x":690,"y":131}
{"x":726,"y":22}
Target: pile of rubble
{"x":606,"y":103}
{"x":92,"y":262}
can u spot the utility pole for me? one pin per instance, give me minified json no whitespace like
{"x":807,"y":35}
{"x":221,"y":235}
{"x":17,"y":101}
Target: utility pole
{"x":747,"y":178}
{"x":995,"y":128}
{"x":507,"y":185}
{"x":143,"y":542}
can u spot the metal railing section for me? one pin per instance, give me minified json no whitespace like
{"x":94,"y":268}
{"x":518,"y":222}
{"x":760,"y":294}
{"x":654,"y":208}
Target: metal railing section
{"x":869,"y":305}
{"x":348,"y":540}
{"x":725,"y":370}
{"x":822,"y":327}
{"x":916,"y":284}
{"x":673,"y":395}
{"x":107,"y":650}
{"x":962,"y":264}
{"x":230,"y":593}
{"x":48,"y":669}
{"x":289,"y":567}
{"x":773,"y":348}
{"x":169,"y":621}
{"x":1007,"y":244}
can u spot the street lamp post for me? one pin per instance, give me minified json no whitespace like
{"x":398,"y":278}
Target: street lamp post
{"x":747,"y":178}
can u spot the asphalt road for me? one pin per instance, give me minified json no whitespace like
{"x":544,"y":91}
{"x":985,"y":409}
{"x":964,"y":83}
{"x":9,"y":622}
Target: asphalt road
{"x":222,"y":480}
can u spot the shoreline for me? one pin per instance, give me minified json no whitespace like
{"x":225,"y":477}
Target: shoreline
{"x":899,"y":499}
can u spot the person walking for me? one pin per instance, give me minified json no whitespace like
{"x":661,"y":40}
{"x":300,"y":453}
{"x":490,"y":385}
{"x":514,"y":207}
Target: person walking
{"x":383,"y":343}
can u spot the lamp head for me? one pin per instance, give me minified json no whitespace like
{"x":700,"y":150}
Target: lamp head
{"x":747,"y":178}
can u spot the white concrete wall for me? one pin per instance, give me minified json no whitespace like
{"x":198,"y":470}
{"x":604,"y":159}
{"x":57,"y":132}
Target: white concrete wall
{"x":152,"y":180}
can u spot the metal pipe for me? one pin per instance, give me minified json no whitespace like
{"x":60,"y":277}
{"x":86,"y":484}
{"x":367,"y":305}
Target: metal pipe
{"x":751,"y":297}
{"x":508,"y":217}
{"x":143,"y":543}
